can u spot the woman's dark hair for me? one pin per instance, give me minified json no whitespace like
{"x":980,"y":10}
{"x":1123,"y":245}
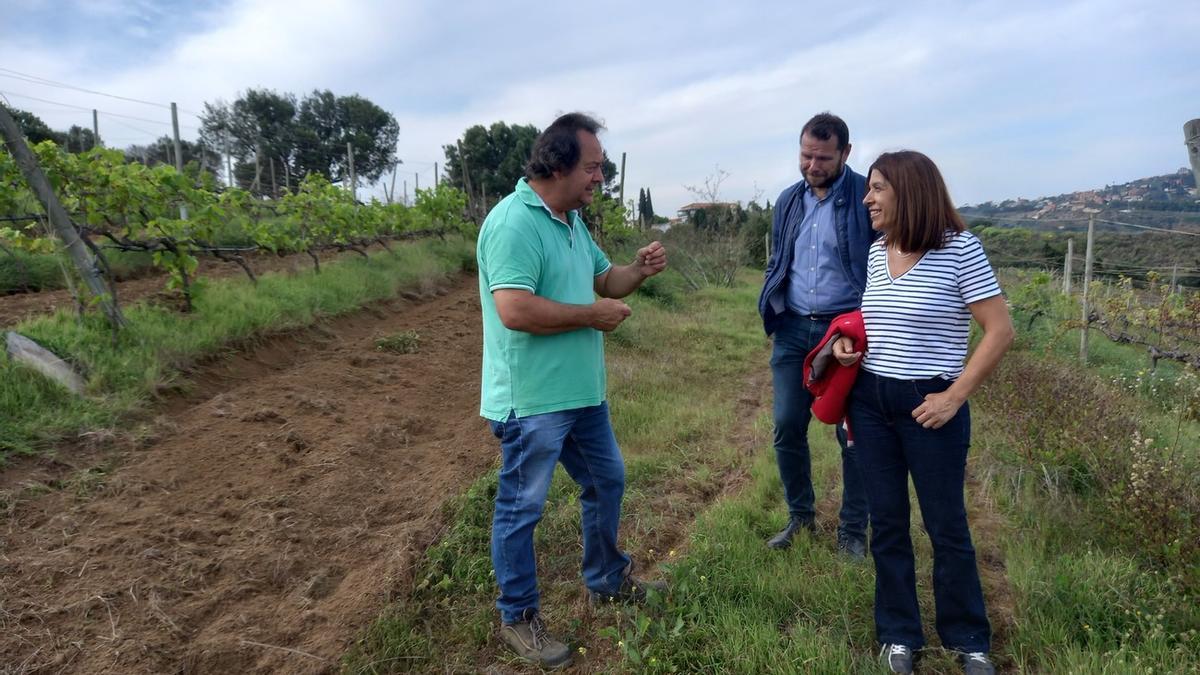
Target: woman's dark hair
{"x":924,"y":213}
{"x":557,"y":148}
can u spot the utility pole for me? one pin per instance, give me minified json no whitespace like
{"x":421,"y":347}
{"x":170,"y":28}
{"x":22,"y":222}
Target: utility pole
{"x":622,"y":193}
{"x":435,"y":175}
{"x":1087,"y":282}
{"x":392,"y":193}
{"x":183,"y":214}
{"x":1067,"y":267}
{"x":353,"y":178}
{"x":416,"y":181}
{"x":96,"y":128}
{"x":228,"y":163}
{"x":274,"y":184}
{"x":466,"y":176}
{"x":59,"y":219}
{"x":257,"y":184}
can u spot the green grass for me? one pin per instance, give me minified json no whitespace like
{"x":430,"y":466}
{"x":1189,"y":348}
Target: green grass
{"x":34,"y":414}
{"x":22,"y":271}
{"x":1068,"y":590}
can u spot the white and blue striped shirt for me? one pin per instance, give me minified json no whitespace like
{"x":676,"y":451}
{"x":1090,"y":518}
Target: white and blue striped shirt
{"x":918,"y":323}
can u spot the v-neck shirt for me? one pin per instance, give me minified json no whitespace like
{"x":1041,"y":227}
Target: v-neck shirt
{"x":918,"y":322}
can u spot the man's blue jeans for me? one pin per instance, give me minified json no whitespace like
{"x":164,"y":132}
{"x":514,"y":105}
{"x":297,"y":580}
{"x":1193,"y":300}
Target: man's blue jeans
{"x":793,"y":340}
{"x":891,"y":447}
{"x":582,"y":439}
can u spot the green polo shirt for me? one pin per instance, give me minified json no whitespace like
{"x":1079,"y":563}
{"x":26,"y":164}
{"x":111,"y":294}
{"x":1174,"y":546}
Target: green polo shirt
{"x":522,"y":245}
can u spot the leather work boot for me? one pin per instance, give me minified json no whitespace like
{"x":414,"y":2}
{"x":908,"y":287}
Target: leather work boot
{"x":784,"y":538}
{"x":529,"y":640}
{"x":632,"y":590}
{"x":851,"y":546}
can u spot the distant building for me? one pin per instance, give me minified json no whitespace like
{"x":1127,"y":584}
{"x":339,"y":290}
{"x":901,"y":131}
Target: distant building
{"x":688,"y":211}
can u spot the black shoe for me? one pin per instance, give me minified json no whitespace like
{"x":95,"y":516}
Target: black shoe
{"x":852,"y":546}
{"x":529,"y":639}
{"x":785,"y":536}
{"x":976,"y":663}
{"x":898,"y":658}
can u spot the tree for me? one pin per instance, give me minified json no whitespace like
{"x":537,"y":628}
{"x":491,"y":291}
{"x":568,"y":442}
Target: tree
{"x":162,"y":151}
{"x":301,"y":138}
{"x":326,"y":123}
{"x":32,"y":126}
{"x":78,"y":139}
{"x":495,"y":159}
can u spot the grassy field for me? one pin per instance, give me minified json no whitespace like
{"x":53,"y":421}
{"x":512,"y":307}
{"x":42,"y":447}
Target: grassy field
{"x":1074,"y":581}
{"x":147,"y":358}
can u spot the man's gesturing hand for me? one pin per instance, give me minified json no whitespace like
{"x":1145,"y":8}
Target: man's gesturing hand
{"x":651,"y":259}
{"x":608,"y":313}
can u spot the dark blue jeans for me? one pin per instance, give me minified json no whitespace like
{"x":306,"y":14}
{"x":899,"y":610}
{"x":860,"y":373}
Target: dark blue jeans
{"x":795,"y":337}
{"x":582,"y":439}
{"x":891,"y":447}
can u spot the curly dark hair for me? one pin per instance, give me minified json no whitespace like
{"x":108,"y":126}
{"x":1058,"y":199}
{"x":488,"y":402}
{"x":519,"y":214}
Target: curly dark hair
{"x":557,"y":148}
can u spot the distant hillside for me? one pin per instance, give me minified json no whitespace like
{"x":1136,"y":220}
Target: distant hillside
{"x":1169,"y":202}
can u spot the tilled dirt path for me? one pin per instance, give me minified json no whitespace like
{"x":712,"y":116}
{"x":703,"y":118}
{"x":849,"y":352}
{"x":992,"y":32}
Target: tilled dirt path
{"x":271,"y":520}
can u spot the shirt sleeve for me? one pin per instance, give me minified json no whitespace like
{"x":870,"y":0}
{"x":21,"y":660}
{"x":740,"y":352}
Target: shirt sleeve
{"x":976,"y":280}
{"x":510,"y":255}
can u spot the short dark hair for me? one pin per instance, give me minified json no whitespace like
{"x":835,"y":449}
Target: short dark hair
{"x":924,"y":212}
{"x":557,"y":148}
{"x":825,"y":125}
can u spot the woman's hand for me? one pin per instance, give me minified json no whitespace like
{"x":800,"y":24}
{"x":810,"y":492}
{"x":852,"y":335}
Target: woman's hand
{"x":937,"y":409}
{"x":843,"y":351}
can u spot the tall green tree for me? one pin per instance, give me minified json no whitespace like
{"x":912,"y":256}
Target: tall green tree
{"x":326,"y":123}
{"x":495,"y":158}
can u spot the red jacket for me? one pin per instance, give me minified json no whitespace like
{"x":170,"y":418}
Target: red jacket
{"x":827,"y":380}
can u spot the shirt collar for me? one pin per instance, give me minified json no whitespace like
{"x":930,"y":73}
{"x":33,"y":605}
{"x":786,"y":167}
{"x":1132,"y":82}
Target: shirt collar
{"x":527,"y":194}
{"x":837,"y":185}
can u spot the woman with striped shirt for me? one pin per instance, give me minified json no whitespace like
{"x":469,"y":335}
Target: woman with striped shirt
{"x":927,"y":277}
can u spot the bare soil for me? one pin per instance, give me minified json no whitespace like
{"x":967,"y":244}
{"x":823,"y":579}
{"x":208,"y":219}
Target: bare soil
{"x":278,"y":508}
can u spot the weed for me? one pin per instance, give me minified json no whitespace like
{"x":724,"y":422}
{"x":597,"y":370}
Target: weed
{"x":404,"y":342}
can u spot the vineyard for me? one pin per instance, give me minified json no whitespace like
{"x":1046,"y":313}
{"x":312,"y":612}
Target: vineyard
{"x":176,"y":218}
{"x":285,"y":472}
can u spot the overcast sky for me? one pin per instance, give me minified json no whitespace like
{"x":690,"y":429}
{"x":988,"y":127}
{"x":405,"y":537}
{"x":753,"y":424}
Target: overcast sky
{"x":1011,"y":99}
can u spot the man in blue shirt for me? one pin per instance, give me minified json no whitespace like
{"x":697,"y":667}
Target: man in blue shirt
{"x":820,"y":238}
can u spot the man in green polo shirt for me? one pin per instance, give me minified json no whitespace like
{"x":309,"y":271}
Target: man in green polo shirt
{"x":543,"y":375}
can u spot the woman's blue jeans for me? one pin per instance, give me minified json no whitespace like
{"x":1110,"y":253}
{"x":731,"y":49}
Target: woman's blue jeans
{"x":891,"y":447}
{"x":582,"y":439}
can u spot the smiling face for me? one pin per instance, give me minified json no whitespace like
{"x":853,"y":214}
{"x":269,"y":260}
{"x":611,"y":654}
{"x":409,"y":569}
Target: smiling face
{"x":820,"y":160}
{"x":578,"y":186}
{"x":880,"y":202}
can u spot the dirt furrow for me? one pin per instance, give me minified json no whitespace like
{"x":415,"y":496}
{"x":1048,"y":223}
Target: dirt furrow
{"x":284,"y":502}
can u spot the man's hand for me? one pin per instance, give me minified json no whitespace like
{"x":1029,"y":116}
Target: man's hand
{"x":842,"y":351}
{"x":608,"y":313}
{"x":651,"y":259}
{"x":937,"y":409}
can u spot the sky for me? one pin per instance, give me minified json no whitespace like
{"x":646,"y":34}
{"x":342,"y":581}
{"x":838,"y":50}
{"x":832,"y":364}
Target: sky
{"x":1010,"y":99}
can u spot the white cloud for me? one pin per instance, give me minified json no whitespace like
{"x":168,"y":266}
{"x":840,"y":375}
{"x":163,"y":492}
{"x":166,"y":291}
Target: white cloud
{"x":1012,"y":99}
